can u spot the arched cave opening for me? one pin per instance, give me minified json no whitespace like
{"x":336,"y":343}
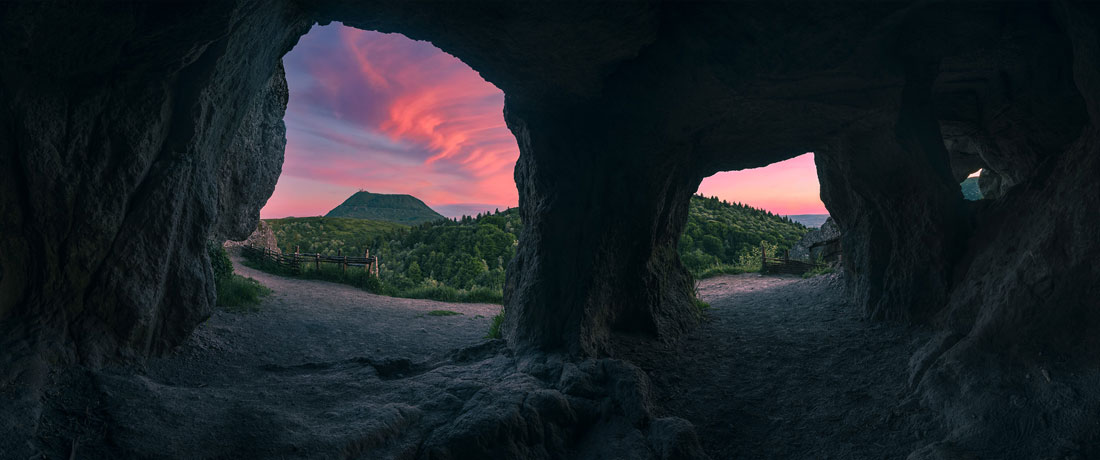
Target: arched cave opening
{"x":400,"y":154}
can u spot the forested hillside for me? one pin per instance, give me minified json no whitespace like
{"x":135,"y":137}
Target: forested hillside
{"x":720,"y":233}
{"x":451,"y":259}
{"x":330,"y":235}
{"x":467,"y":254}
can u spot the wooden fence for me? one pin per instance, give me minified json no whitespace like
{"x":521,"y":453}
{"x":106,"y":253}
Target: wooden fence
{"x":783,"y":265}
{"x":293,"y":262}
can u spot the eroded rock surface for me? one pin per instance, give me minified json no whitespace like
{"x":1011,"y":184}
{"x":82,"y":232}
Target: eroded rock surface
{"x":127,"y":141}
{"x":262,"y":237}
{"x":819,"y":243}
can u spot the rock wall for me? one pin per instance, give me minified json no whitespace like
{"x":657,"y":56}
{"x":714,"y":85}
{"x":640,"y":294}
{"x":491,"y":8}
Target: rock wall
{"x":131,"y":138}
{"x":823,"y":243}
{"x":118,"y":126}
{"x":251,"y":165}
{"x":262,"y":237}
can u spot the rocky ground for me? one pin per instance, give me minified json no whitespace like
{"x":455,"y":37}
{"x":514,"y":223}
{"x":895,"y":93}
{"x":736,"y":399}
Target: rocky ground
{"x":785,"y":367}
{"x":781,"y":368}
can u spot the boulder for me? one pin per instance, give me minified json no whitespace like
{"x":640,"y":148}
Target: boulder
{"x":819,"y":243}
{"x":263,"y":237}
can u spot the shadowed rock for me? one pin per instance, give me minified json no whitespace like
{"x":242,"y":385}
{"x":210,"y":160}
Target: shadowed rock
{"x":129,"y":139}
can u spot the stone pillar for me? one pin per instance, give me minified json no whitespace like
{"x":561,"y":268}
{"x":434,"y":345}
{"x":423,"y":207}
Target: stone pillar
{"x":889,"y":187}
{"x":602,"y":209}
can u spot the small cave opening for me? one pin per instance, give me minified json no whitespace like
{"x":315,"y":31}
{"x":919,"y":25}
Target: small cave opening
{"x":739,"y":217}
{"x":970,"y":187}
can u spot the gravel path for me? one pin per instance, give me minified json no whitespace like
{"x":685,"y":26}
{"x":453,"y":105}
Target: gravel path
{"x":785,"y":368}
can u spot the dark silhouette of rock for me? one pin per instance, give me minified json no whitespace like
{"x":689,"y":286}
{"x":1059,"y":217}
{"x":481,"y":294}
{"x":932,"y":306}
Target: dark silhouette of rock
{"x":128,"y":136}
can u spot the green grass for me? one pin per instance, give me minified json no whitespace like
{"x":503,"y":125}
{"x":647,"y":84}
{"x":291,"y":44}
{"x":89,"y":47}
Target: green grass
{"x":723,"y":269}
{"x":237,"y":293}
{"x":495,"y":325}
{"x":443,"y":313}
{"x":819,"y":270}
{"x":450,"y":294}
{"x":358,"y":277}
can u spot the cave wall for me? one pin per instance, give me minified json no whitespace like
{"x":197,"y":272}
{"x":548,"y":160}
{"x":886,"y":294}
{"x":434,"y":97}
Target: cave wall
{"x":142,"y":130}
{"x":128,"y":141}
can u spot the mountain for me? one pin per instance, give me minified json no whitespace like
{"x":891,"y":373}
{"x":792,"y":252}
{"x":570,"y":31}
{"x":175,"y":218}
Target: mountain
{"x":400,"y":209}
{"x":809,"y":220}
{"x":970,"y":189}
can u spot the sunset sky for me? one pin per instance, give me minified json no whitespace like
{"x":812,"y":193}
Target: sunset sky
{"x":387,"y":114}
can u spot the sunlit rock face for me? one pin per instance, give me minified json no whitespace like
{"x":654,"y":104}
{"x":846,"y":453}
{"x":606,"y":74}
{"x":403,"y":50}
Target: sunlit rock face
{"x":131,"y":138}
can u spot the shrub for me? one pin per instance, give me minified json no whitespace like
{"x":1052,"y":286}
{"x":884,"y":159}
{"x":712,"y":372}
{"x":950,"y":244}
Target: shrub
{"x":721,"y":269}
{"x":818,"y":270}
{"x":495,"y":325}
{"x":239,"y":293}
{"x":219,"y":261}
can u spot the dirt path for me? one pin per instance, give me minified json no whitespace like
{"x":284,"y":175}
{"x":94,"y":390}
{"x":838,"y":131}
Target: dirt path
{"x":318,"y":321}
{"x":300,"y":375}
{"x":782,"y":368}
{"x":785,"y":368}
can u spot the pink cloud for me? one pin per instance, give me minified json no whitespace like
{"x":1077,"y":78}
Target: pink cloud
{"x":391,"y":115}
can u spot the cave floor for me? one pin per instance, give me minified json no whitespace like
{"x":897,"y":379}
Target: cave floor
{"x":780,"y":368}
{"x":784,"y":367}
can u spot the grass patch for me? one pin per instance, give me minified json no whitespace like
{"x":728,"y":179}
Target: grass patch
{"x":819,"y":270}
{"x":724,"y":269}
{"x":237,"y":293}
{"x":700,"y":304}
{"x":495,"y":325}
{"x":443,"y":313}
{"x":360,"y":278}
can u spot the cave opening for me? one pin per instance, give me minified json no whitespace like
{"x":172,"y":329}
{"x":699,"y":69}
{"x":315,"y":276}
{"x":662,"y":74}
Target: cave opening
{"x":401,"y":154}
{"x":141,"y":131}
{"x":738,"y":217}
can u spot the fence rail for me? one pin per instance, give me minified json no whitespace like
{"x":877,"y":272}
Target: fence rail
{"x":293,"y":262}
{"x":784,"y":265}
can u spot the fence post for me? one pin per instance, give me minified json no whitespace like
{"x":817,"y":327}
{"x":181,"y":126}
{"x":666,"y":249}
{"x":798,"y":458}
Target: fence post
{"x":344,"y":267}
{"x":317,"y":261}
{"x":787,"y":256}
{"x":366,"y":261}
{"x":763,"y":258}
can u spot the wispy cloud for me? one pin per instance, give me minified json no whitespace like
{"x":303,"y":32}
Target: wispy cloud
{"x":389,"y":114}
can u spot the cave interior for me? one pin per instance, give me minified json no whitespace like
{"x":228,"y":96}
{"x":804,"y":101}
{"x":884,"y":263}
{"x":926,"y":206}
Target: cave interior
{"x":130,"y":134}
